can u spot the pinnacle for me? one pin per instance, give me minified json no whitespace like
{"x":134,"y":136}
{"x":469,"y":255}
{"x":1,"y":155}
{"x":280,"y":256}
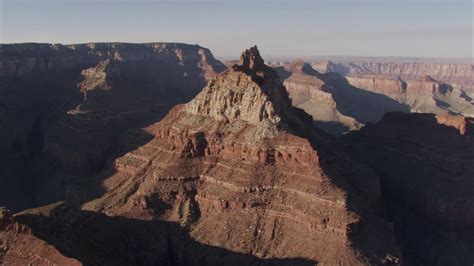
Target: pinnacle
{"x":250,"y":60}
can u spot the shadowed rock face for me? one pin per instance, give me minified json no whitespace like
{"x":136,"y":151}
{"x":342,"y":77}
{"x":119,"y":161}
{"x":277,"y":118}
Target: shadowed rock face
{"x":64,"y":108}
{"x":62,"y":235}
{"x":425,"y":163}
{"x":241,"y":169}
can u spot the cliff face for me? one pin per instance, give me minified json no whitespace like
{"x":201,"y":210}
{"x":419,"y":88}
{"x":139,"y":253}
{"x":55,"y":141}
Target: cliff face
{"x":423,"y":95}
{"x":335,"y":104}
{"x":426,"y":167}
{"x":310,"y":92}
{"x":64,"y":107}
{"x":20,"y":60}
{"x":241,"y":169}
{"x":457,"y":75}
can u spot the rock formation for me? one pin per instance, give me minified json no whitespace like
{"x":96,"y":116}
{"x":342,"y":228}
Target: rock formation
{"x":426,"y":166}
{"x":63,"y":108}
{"x":236,"y":176}
{"x":241,"y":169}
{"x":309,"y":92}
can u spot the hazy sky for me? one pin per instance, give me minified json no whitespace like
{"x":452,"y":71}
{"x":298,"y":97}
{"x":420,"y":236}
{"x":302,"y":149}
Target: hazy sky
{"x":419,"y":28}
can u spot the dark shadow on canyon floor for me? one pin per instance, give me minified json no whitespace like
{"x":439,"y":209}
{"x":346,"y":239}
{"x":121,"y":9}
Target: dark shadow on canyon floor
{"x":332,"y":127}
{"x":96,"y":239}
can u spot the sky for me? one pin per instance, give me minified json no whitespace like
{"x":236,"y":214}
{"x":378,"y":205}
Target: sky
{"x":408,"y":28}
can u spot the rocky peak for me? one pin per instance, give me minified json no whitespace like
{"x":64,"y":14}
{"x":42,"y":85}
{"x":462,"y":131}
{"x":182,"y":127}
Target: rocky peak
{"x":251,"y":61}
{"x":250,"y":91}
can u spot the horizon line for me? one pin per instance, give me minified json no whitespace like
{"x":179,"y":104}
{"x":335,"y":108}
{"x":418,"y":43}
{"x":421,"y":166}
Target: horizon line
{"x":275,"y":56}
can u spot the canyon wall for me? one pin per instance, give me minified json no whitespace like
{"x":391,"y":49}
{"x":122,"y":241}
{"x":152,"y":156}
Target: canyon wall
{"x":344,"y":95}
{"x":457,"y":75}
{"x":64,"y":107}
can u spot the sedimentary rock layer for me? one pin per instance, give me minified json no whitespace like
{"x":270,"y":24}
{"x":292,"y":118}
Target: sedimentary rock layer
{"x":457,"y":75}
{"x":241,"y":169}
{"x":345,"y":96}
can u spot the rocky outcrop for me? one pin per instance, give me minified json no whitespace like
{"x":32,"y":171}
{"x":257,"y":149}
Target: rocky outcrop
{"x":426,"y":167}
{"x":64,"y":107}
{"x":241,"y":169}
{"x":464,"y":125}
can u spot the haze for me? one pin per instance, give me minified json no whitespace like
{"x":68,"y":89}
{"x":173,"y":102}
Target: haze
{"x":441,"y":29}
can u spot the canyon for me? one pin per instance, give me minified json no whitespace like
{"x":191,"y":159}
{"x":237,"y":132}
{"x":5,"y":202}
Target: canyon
{"x":457,"y":73}
{"x":224,"y":166}
{"x":63,"y":108}
{"x":157,"y":153}
{"x":344,"y":95}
